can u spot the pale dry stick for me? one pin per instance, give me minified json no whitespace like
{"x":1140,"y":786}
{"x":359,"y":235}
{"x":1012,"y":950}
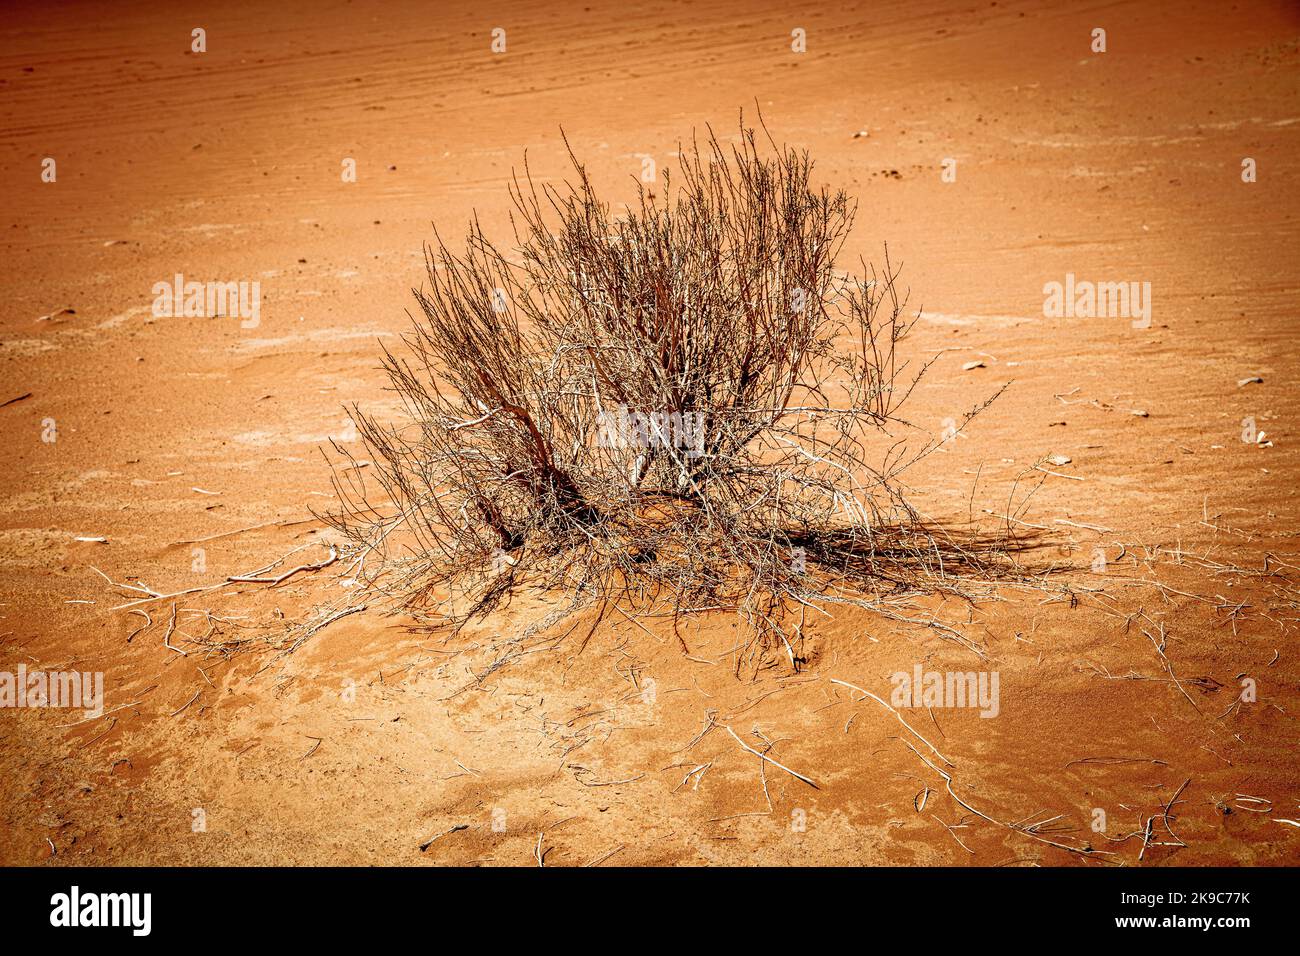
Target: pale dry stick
{"x":947,"y":779}
{"x":709,"y":724}
{"x":227,"y":534}
{"x":1169,"y":808}
{"x":145,"y":626}
{"x":1170,"y":667}
{"x":397,"y":521}
{"x":1242,"y":797}
{"x":1089,"y":527}
{"x":1037,"y":827}
{"x":1057,"y":474}
{"x":614,"y":605}
{"x":78,"y":723}
{"x":844,"y":683}
{"x":433,"y":839}
{"x":601,"y":859}
{"x":935,"y":720}
{"x":188,"y":702}
{"x":950,"y":828}
{"x":699,"y":774}
{"x":1038,"y":527}
{"x":609,"y":783}
{"x":251,"y":579}
{"x":155,"y":596}
{"x":107,"y":730}
{"x":318,"y":626}
{"x":762,"y":776}
{"x":477,"y":421}
{"x":763,"y":756}
{"x":1146,"y":836}
{"x":1165,"y":587}
{"x":165,"y":597}
{"x":1116,"y":760}
{"x":537,"y":851}
{"x":951,"y":633}
{"x":130,"y":587}
{"x":171,"y":626}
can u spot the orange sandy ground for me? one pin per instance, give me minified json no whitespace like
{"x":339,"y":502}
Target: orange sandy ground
{"x":226,"y":165}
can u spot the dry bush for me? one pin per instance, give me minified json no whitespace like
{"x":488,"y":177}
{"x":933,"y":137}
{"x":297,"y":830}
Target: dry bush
{"x":681,"y":407}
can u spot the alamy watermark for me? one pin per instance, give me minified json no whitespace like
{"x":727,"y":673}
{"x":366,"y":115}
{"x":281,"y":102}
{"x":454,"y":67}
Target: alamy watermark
{"x":25,"y":688}
{"x":923,"y":688}
{"x":197,"y":300}
{"x":75,"y":908}
{"x":683,"y":431}
{"x":1089,"y":300}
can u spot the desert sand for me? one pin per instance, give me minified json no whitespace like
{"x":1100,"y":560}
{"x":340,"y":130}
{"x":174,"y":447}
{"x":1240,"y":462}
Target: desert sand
{"x":372,"y":739}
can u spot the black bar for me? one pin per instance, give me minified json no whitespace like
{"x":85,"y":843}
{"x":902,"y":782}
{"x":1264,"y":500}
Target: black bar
{"x":307,"y":905}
